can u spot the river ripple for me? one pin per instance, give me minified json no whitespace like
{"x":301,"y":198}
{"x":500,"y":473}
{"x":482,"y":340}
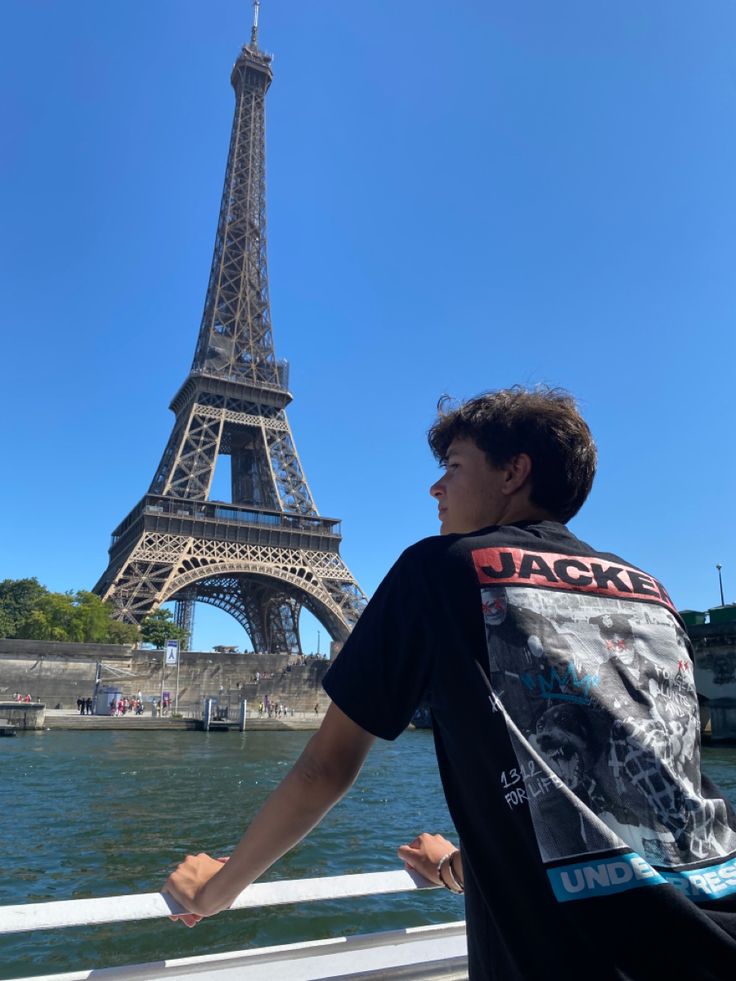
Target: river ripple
{"x":104,"y":813}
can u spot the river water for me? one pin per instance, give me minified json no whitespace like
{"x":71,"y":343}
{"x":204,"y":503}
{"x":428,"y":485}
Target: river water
{"x":105,"y":813}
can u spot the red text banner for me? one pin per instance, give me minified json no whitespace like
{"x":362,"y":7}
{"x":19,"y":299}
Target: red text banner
{"x":574,"y":573}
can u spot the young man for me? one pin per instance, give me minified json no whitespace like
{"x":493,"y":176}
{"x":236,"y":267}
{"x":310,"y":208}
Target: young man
{"x":565,"y":720}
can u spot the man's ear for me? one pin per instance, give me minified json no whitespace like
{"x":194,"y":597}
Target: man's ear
{"x":518,"y":470}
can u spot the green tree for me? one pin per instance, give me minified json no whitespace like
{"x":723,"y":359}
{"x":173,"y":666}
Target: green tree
{"x":18,"y":600}
{"x":51,"y":619}
{"x":159,"y":626}
{"x":91,"y":618}
{"x":123,"y":633}
{"x":30,"y":612}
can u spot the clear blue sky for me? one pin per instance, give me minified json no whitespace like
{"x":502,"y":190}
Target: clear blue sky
{"x":460,"y":197}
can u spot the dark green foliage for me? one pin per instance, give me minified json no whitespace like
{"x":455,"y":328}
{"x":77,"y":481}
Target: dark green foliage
{"x":29,"y":611}
{"x":18,"y":599}
{"x":159,"y":626}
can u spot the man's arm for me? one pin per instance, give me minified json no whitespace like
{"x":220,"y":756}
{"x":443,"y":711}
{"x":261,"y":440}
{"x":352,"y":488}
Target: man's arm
{"x":323,"y":773}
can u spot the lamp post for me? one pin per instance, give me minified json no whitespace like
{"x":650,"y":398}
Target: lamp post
{"x":318,"y":643}
{"x":720,"y":581}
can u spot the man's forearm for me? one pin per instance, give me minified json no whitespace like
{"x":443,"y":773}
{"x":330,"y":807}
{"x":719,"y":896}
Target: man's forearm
{"x":322,"y":774}
{"x":300,"y":801}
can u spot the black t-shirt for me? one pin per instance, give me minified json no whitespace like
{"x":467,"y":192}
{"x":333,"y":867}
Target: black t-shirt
{"x":567,"y":734}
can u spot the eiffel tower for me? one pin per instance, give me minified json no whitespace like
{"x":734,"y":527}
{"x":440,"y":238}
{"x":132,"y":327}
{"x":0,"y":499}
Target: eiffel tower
{"x":267,"y":553}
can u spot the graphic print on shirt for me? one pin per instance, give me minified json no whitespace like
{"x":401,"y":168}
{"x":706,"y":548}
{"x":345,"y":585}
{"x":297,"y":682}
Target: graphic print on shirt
{"x":598,"y":696}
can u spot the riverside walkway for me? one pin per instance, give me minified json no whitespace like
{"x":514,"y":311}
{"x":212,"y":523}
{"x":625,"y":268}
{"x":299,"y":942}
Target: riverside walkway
{"x":69,"y":719}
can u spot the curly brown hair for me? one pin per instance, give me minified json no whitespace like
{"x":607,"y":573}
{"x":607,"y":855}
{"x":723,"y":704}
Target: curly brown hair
{"x":544,"y":423}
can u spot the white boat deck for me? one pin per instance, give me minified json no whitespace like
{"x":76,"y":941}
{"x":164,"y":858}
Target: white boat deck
{"x":431,"y":952}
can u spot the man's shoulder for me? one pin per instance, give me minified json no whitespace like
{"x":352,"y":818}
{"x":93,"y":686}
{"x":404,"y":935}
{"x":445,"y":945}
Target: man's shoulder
{"x":541,"y":536}
{"x":546,"y":537}
{"x":454,"y":550}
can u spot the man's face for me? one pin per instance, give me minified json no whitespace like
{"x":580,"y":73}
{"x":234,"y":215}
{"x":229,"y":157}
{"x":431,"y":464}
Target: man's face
{"x":469,"y":493}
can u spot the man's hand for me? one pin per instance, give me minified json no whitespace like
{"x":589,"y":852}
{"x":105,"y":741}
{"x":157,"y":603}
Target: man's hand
{"x":186,"y":884}
{"x":424,"y":853}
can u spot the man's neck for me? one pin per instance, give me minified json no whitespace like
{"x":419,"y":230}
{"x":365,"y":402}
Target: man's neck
{"x":518,"y":511}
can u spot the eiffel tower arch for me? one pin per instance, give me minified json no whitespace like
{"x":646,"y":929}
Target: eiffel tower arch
{"x":267,"y":553}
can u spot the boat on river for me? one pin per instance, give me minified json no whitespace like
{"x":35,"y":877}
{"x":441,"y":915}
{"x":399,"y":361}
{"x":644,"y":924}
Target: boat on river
{"x":437,"y":952}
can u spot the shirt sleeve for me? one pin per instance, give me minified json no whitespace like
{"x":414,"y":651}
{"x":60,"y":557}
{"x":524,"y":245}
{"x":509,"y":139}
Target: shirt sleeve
{"x":382,"y":672}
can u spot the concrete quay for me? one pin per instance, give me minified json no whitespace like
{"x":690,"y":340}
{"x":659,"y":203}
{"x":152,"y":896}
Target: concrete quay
{"x":22,"y":715}
{"x":61,"y":719}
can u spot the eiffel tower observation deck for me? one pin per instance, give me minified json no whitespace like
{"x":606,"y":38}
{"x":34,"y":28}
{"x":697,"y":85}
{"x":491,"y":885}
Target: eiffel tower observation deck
{"x":267,"y":553}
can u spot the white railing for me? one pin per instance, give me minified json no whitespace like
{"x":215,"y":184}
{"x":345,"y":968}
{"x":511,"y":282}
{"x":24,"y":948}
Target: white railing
{"x":120,"y":909}
{"x":437,"y":952}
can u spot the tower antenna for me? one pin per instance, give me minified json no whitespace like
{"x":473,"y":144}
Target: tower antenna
{"x":254,"y":28}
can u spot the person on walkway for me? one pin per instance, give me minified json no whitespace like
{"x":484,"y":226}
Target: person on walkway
{"x":591,"y":846}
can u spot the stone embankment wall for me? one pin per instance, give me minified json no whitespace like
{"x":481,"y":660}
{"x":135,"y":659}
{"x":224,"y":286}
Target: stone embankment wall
{"x":59,"y":674}
{"x":54,"y":673}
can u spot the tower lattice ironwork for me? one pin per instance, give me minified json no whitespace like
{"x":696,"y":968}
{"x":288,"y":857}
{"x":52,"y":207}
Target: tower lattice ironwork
{"x":267,"y":553}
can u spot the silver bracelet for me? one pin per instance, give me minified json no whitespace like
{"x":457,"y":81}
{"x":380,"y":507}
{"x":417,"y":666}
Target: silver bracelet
{"x":459,"y":886}
{"x":455,"y":886}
